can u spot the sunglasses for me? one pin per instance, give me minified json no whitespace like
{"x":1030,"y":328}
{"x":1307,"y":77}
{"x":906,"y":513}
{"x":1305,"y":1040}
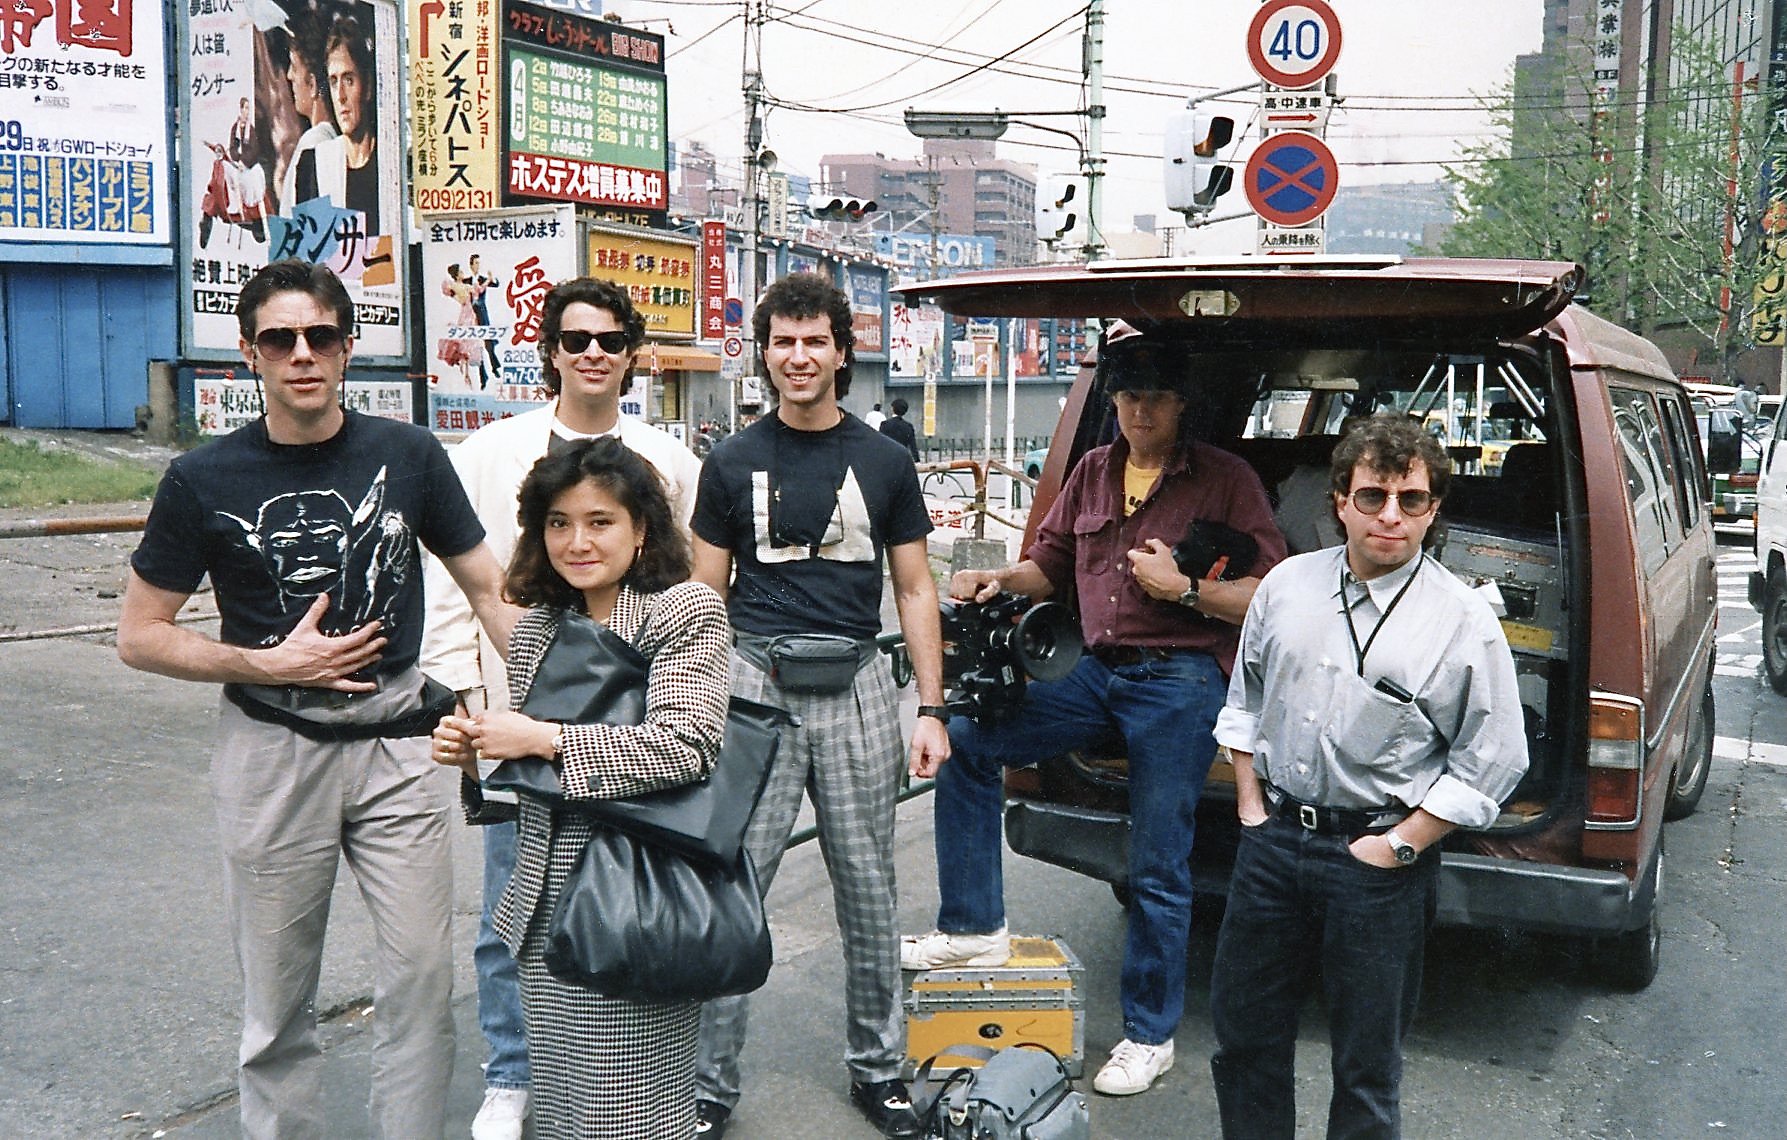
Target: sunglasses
{"x":1371,"y":500}
{"x":278,"y":343}
{"x":576,"y":341}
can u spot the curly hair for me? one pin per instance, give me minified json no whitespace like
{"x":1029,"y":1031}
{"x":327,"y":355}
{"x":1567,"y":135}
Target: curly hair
{"x":634,"y":483}
{"x":800,"y":296}
{"x":591,"y":291}
{"x":1389,"y":444}
{"x":293,"y":276}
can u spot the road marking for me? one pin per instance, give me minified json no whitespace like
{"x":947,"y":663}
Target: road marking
{"x":1754,"y":752}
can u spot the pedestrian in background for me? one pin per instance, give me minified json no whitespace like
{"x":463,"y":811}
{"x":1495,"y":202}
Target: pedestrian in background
{"x":897,"y":428}
{"x":308,"y":522}
{"x":598,"y":537}
{"x":1373,"y":709}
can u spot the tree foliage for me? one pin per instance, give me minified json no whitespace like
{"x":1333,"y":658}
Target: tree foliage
{"x":1644,"y":196}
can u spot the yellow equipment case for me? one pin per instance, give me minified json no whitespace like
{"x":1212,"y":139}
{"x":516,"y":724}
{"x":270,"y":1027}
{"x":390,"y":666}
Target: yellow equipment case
{"x":1035,"y":997}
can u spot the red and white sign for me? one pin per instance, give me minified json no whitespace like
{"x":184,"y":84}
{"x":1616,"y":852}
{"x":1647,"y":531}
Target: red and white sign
{"x":713,"y":280}
{"x":1293,"y":43}
{"x":734,"y":346}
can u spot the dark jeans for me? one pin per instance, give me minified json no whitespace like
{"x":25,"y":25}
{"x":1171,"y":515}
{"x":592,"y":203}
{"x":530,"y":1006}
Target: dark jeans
{"x":1164,"y":711}
{"x":1302,"y":909}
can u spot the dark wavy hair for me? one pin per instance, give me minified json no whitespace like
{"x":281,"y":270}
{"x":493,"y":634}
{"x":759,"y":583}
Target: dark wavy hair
{"x":591,"y":291}
{"x":1389,"y":444}
{"x":349,"y":33}
{"x":293,"y":276}
{"x":803,"y":295}
{"x":635,"y":485}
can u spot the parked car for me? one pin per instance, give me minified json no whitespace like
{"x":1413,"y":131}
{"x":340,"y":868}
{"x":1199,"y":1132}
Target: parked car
{"x":1768,"y":582}
{"x":1614,"y":652}
{"x":1033,"y":461}
{"x":1733,"y":450}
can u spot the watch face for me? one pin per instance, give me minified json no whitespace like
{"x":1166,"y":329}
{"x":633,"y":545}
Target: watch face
{"x":1405,"y":852}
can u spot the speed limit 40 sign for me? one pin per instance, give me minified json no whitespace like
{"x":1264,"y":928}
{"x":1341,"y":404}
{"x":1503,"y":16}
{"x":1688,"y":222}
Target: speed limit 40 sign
{"x":1293,"y":43}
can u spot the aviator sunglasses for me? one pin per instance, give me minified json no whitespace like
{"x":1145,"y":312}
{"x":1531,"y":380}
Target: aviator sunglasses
{"x":278,"y":343}
{"x":1371,"y":500}
{"x":575,"y":341}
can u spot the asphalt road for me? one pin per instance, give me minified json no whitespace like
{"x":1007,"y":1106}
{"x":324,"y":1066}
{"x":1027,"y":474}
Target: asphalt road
{"x":118,"y":993}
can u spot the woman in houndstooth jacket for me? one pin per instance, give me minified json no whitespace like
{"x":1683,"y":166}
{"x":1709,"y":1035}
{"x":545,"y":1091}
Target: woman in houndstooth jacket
{"x":598,"y":535}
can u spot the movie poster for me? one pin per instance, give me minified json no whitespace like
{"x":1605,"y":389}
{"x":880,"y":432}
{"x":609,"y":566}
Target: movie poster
{"x":293,"y":150}
{"x":485,"y":277}
{"x":83,"y":123}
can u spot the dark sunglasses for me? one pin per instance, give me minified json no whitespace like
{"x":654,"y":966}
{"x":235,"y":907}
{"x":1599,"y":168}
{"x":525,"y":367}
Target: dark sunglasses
{"x":278,"y":343}
{"x":575,"y":341}
{"x":1371,"y":500}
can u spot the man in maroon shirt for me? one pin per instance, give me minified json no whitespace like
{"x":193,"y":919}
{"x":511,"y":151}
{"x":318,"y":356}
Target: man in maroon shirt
{"x":1159,"y":648}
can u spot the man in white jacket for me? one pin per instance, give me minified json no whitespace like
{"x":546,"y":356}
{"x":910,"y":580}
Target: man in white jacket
{"x":590,"y":335}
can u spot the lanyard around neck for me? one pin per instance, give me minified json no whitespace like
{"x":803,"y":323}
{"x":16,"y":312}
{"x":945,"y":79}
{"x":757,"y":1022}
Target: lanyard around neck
{"x":1346,"y":604}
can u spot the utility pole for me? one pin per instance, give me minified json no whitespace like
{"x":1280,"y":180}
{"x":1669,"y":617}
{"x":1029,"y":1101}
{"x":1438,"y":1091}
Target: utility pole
{"x":753,"y":88}
{"x":1093,"y":69}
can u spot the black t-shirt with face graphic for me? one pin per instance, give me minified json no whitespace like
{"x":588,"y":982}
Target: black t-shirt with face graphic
{"x":807,"y":515}
{"x":277,"y":524}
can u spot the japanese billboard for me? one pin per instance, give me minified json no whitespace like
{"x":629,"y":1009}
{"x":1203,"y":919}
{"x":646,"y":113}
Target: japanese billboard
{"x":713,"y":280}
{"x":585,"y":118}
{"x":292,"y":150}
{"x":867,"y":290}
{"x":485,"y":277}
{"x":455,"y":118}
{"x":658,"y":272}
{"x":915,"y":341}
{"x":83,"y":122}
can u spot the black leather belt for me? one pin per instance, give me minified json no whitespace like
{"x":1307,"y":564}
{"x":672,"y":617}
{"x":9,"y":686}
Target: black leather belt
{"x":1344,"y":822}
{"x":1114,"y":656}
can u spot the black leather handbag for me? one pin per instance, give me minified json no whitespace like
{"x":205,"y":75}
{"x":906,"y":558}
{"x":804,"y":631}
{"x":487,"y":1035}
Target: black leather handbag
{"x":663,"y":902}
{"x":592,"y":675}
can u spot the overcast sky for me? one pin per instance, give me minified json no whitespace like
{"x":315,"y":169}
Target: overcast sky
{"x":1409,"y":72}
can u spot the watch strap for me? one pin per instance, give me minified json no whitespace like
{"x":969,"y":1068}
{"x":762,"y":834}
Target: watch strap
{"x":935,"y":712}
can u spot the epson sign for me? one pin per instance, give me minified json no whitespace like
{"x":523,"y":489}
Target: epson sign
{"x":953,"y":251}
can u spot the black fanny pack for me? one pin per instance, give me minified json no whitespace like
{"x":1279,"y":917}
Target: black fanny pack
{"x":808,"y":662}
{"x":437,"y":702}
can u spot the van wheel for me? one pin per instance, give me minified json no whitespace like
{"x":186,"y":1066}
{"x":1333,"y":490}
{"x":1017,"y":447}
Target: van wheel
{"x":1774,"y":630}
{"x":1629,"y":961}
{"x":1696,"y":763}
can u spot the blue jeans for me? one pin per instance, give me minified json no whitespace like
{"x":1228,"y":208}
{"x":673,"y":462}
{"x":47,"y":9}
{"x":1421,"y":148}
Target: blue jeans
{"x":1302,"y":909}
{"x":499,"y":983}
{"x":1164,"y":710}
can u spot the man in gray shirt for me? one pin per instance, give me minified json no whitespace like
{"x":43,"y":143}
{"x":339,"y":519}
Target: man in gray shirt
{"x":1372,"y":710}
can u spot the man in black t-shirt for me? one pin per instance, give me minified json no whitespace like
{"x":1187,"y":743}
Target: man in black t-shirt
{"x":803,"y":504}
{"x":307,"y":522}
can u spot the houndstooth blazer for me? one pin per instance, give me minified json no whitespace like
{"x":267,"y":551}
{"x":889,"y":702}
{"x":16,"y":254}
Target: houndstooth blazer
{"x":684,"y":633}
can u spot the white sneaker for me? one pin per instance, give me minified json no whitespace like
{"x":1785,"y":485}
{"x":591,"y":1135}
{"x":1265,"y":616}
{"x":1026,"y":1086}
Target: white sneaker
{"x":501,"y":1116}
{"x":937,"y":949}
{"x":1133,"y":1067}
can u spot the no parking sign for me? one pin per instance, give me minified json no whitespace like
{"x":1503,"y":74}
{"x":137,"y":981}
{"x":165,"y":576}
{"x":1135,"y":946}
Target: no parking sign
{"x":1291,"y":178}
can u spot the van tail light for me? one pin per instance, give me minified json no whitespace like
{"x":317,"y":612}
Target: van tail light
{"x":1615,"y":761}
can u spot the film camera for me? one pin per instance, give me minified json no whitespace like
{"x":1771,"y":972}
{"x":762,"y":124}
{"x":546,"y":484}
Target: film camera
{"x":992,"y":649}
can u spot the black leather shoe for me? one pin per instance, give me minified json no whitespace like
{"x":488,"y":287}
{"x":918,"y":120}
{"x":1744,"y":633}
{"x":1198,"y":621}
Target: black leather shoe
{"x":710,"y":1119}
{"x":888,"y":1106}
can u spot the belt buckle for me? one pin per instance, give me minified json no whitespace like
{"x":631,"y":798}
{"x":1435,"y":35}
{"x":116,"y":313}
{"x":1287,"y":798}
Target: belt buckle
{"x":1308,"y":817}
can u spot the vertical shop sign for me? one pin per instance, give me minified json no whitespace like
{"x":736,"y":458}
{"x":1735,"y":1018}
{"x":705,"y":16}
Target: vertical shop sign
{"x":455,"y":119}
{"x":713,"y":280}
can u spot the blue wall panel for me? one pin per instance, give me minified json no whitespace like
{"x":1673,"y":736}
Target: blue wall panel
{"x":79,"y":340}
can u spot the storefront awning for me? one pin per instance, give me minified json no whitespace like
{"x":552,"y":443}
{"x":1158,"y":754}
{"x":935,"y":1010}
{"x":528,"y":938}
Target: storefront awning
{"x":678,"y":358}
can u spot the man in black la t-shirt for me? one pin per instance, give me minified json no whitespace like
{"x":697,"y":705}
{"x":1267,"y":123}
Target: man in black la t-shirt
{"x":307,"y":522}
{"x":804,"y":503}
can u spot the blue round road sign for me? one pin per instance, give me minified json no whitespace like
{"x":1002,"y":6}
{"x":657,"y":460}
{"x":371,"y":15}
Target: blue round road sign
{"x":1291,"y":178}
{"x":734,"y":311}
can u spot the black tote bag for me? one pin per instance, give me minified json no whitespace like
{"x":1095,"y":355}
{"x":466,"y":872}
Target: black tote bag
{"x":592,"y":675}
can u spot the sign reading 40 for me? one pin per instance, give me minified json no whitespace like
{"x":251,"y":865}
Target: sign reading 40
{"x":1293,"y":43}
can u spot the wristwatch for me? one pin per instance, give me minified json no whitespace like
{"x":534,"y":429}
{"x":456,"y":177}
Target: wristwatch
{"x":1401,"y":848}
{"x":1189,"y":599}
{"x":935,"y":712}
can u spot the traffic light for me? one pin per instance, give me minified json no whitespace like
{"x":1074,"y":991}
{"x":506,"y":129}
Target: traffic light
{"x":1059,"y":207}
{"x":840,"y":207}
{"x":1194,"y":178}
